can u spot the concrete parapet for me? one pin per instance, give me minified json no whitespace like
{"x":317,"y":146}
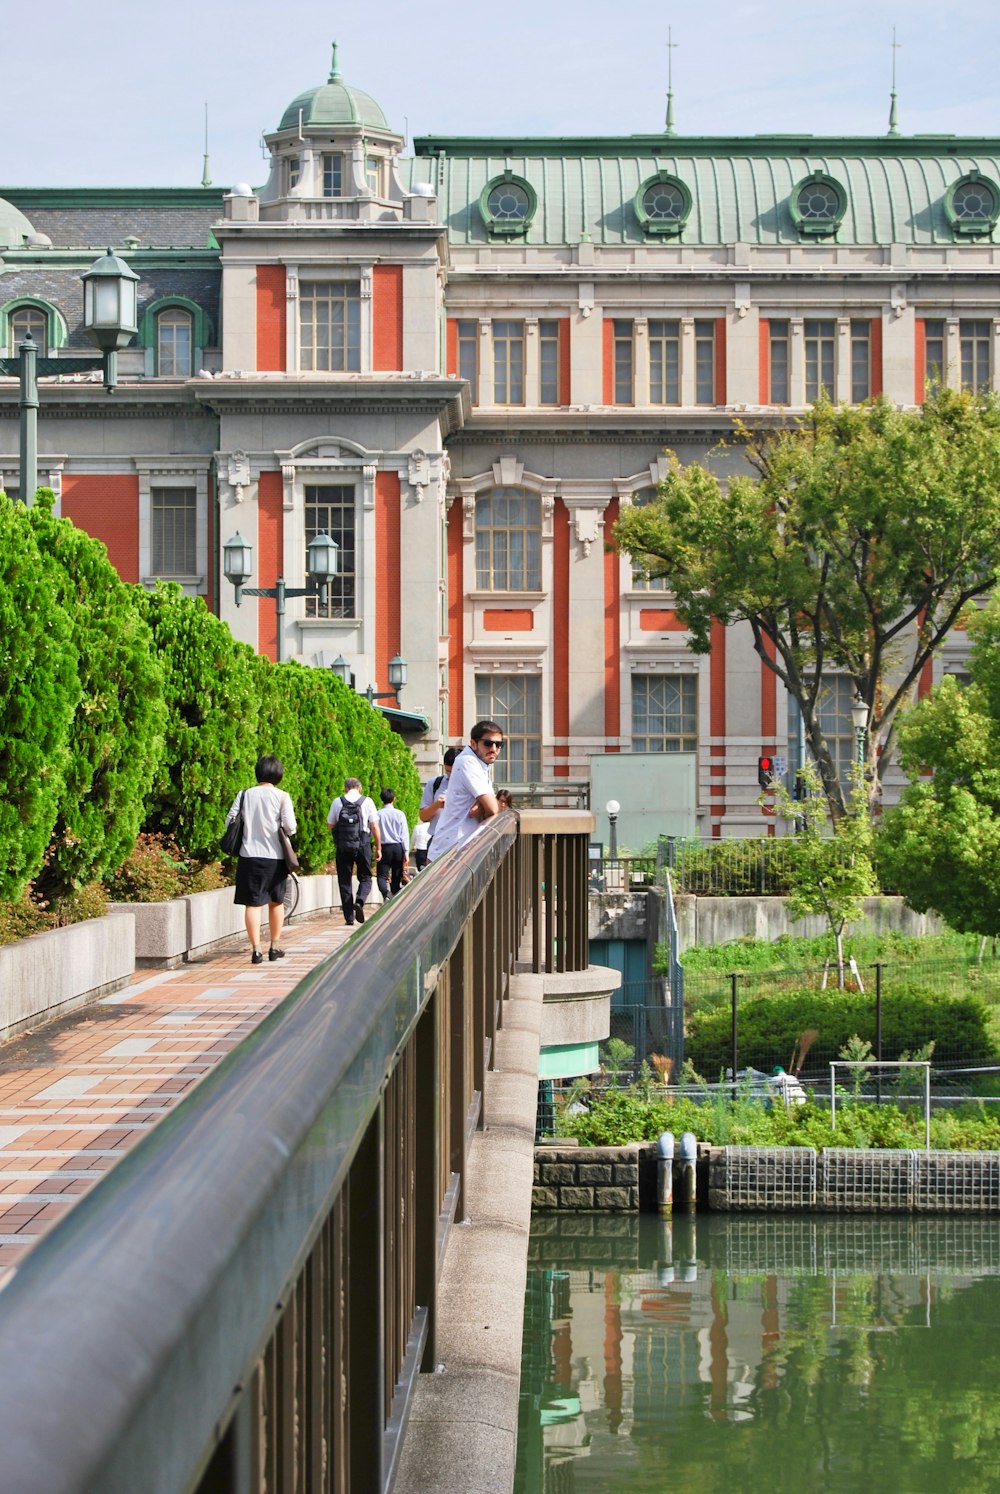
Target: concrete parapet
{"x":53,"y":972}
{"x":161,"y":931}
{"x":212,"y":918}
{"x":577,"y":1006}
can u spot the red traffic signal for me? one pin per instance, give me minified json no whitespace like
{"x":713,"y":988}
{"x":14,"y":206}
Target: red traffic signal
{"x":766,"y":772}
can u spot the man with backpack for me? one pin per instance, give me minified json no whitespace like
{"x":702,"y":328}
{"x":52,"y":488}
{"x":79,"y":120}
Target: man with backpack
{"x":354,"y":822}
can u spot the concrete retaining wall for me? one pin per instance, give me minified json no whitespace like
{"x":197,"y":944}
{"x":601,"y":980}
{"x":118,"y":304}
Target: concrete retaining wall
{"x":51,"y":973}
{"x":717,"y":920}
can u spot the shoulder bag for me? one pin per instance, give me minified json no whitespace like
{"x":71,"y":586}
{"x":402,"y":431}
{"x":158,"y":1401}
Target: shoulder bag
{"x":232,"y":840}
{"x":288,"y":850}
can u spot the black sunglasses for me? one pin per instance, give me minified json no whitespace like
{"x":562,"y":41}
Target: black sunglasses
{"x":496,"y":742}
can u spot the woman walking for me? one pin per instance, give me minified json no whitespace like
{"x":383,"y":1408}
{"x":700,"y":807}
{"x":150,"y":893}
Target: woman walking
{"x":261,"y":871}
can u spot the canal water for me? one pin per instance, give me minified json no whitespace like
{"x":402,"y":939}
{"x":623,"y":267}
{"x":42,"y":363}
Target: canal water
{"x":766,"y":1353}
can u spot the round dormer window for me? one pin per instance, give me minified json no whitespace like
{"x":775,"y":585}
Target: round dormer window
{"x":972,"y":205}
{"x":508,"y":205}
{"x":818,"y":205}
{"x":663,"y":205}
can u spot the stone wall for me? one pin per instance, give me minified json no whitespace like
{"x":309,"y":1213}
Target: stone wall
{"x":574,"y":1178}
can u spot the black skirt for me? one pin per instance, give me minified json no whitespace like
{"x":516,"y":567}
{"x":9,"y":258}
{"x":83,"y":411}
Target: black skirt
{"x":260,"y":880}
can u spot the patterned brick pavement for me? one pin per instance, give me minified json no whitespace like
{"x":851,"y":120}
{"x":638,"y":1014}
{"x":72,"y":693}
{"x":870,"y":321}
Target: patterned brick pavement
{"x":76,"y":1094}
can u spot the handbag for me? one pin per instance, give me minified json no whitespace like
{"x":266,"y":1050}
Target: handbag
{"x":232,"y":840}
{"x":288,"y":850}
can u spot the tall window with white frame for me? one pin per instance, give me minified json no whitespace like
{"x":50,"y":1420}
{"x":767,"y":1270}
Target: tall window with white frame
{"x":704,"y":363}
{"x":330,"y":326}
{"x":25,"y":319}
{"x":509,"y":540}
{"x":974,"y":346}
{"x":820,"y":339}
{"x":640,"y":581}
{"x":173,"y":531}
{"x":329,"y":507}
{"x":664,"y":362}
{"x":623,"y":338}
{"x":174,"y":343}
{"x":467,"y":337}
{"x":514,"y":702}
{"x":935,"y":366}
{"x":778,"y":362}
{"x":333,"y":175}
{"x":548,"y":363}
{"x":508,"y":363}
{"x":664,"y":712}
{"x":861,"y":359}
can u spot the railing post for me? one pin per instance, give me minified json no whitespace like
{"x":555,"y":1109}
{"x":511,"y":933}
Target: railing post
{"x":425,"y":1120}
{"x":366,"y":1318}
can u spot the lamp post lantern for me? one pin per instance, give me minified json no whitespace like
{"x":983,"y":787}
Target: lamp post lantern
{"x":859,"y":715}
{"x":397,"y":678}
{"x":110,"y":299}
{"x":321,"y":567}
{"x":612,"y":808}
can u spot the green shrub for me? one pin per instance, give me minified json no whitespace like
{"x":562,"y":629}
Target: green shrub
{"x":153,"y":872}
{"x":770,"y":1026}
{"x":39,"y":694}
{"x":115,"y":737}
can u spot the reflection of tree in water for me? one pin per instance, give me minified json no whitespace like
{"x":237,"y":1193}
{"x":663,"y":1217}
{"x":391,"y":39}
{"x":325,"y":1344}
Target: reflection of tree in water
{"x":839,"y":1403}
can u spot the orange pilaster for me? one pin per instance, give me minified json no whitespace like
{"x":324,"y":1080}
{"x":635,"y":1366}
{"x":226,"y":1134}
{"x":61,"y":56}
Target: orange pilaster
{"x":456,"y":629}
{"x":612,"y":634}
{"x":387,"y":317}
{"x":387,"y":598}
{"x":271,"y":313}
{"x":270,"y":536}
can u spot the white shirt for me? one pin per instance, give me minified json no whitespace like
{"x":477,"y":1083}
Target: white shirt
{"x":368,"y":810}
{"x":430,"y":794}
{"x":264,"y":808}
{"x":470,"y":777}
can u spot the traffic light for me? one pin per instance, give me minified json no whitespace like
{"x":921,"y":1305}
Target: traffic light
{"x":765,"y":772}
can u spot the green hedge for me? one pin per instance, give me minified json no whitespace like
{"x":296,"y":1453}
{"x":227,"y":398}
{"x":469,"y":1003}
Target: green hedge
{"x":769,"y":1027}
{"x":123,"y":710}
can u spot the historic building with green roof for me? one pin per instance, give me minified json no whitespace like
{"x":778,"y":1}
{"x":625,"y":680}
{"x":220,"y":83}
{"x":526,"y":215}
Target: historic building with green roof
{"x":461,"y":364}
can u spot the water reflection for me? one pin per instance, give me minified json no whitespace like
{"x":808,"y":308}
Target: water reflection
{"x":733,"y":1352}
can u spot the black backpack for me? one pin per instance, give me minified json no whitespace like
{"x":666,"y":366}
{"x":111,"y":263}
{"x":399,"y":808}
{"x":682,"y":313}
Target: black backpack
{"x":348,"y":832}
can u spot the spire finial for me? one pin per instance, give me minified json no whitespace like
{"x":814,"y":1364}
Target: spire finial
{"x":671,"y":47}
{"x":334,"y":69}
{"x":893,"y":113}
{"x":206,"y":175}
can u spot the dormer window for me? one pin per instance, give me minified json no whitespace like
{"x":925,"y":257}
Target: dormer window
{"x":24,"y":321}
{"x":663,"y":205}
{"x":972,"y":206}
{"x":508,"y":205}
{"x":818,"y":205}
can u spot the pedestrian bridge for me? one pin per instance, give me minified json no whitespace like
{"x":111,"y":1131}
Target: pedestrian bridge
{"x":257,"y":1296}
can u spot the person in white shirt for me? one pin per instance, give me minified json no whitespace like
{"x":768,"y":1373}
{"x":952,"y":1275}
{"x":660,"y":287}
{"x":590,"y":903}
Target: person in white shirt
{"x":261,"y":872}
{"x":470,"y":800}
{"x":435,"y":790}
{"x":354,"y":822}
{"x":395,"y":836}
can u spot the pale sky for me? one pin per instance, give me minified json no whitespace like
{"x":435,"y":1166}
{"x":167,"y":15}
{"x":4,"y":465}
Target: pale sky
{"x":125,"y":106}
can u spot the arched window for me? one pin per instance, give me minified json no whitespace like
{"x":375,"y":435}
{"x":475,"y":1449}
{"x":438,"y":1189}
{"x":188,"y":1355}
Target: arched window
{"x":174,"y":343}
{"x":25,"y":319}
{"x":509,"y":541}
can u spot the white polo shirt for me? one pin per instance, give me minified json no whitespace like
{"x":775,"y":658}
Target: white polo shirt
{"x":470,"y":777}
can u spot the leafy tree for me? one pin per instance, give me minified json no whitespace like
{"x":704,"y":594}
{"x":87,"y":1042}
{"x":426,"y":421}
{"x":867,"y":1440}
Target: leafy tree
{"x":39,"y":695}
{"x":830,"y":873}
{"x":941,"y":845}
{"x":854,"y":546}
{"x":115,"y":738}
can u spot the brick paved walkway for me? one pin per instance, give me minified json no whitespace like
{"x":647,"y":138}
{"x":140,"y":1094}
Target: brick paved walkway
{"x":76,"y":1094}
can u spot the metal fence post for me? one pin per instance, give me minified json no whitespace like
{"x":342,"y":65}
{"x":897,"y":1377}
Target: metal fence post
{"x":734,"y":978}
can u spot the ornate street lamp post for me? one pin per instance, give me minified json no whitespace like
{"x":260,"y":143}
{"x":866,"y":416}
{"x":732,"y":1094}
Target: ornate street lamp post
{"x":612,"y":808}
{"x":321,"y":567}
{"x":397,"y":678}
{"x":859,"y":715}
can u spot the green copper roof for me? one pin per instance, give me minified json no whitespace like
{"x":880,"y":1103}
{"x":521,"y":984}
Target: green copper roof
{"x":741,"y":189}
{"x":333,"y":103}
{"x":14,"y":226}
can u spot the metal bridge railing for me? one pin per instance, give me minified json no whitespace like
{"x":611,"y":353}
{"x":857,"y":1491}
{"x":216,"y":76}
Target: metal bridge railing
{"x":243,"y":1304}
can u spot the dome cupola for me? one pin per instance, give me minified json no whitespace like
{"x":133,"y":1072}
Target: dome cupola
{"x":332,"y":104}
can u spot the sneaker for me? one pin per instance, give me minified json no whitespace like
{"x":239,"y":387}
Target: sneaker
{"x":257,"y":958}
{"x":359,"y":909}
{"x":275,"y":954}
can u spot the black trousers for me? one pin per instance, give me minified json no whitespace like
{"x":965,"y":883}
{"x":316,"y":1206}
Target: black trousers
{"x":390,"y":869}
{"x":346,"y":863}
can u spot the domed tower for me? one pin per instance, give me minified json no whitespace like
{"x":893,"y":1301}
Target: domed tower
{"x":333,"y":157}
